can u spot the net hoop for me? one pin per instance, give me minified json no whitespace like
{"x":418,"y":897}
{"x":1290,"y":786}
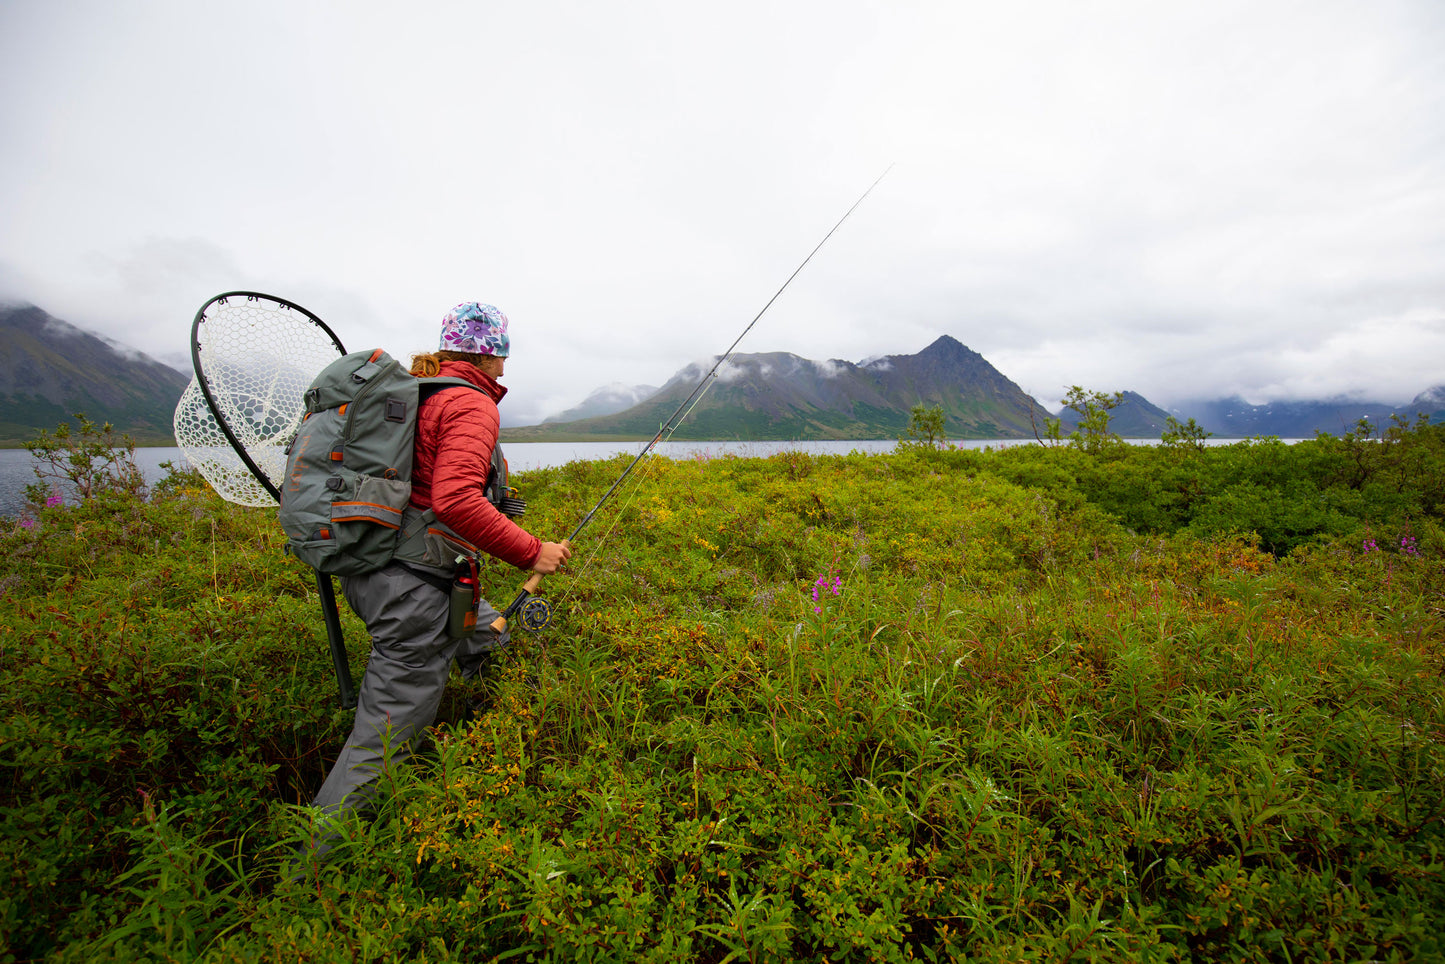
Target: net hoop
{"x":254,"y":356}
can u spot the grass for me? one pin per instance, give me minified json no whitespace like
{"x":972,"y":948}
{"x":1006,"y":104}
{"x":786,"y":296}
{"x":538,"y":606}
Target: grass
{"x":1027,"y":726}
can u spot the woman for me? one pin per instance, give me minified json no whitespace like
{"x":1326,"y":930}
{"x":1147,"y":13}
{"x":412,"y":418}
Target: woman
{"x":405,"y":608}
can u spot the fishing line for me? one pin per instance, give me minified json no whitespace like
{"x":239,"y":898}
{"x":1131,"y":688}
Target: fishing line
{"x":535,"y":612}
{"x":621,"y":512}
{"x":632,"y":492}
{"x":617,"y":517}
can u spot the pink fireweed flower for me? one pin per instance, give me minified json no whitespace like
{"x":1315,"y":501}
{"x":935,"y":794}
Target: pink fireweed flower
{"x":55,"y":499}
{"x":822,"y":583}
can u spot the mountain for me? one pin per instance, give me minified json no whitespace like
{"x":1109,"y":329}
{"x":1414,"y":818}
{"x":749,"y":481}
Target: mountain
{"x":778,"y":395}
{"x":605,"y":401}
{"x":1137,"y":417}
{"x":1430,"y":402}
{"x":50,"y":369}
{"x":1234,"y":417}
{"x":1134,"y":417}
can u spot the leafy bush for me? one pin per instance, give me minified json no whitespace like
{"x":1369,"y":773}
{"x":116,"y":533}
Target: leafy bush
{"x":927,"y":705}
{"x":82,"y":462}
{"x":925,"y":428}
{"x":1289,"y":495}
{"x":150,"y":654}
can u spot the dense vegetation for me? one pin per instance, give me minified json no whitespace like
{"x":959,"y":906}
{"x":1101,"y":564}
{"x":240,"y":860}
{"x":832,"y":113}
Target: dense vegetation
{"x":1087,"y":702}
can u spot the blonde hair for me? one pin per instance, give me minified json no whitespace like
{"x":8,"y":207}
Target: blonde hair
{"x":429,"y":364}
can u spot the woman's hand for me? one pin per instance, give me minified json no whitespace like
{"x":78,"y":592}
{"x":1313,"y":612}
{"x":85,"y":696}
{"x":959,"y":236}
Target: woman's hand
{"x":551,"y":558}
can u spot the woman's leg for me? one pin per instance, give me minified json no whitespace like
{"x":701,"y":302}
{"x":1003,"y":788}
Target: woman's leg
{"x":410,"y":657}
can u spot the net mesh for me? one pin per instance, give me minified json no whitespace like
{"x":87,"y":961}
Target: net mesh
{"x":258,"y":357}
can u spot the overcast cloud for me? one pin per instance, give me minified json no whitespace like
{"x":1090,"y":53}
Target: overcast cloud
{"x":1183,"y":199}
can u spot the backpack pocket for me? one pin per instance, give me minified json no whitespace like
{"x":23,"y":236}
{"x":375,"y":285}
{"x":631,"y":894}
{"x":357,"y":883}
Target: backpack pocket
{"x":361,"y":529}
{"x":365,"y":523}
{"x":378,"y":501}
{"x":443,"y":546}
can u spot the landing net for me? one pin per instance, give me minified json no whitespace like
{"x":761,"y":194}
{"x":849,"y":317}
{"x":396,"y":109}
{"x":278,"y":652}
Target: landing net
{"x":254,"y":357}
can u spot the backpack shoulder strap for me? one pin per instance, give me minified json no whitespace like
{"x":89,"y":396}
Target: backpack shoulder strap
{"x":438,"y":383}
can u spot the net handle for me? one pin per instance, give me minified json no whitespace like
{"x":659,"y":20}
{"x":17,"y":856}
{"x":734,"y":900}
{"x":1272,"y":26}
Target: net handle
{"x":205,"y":385}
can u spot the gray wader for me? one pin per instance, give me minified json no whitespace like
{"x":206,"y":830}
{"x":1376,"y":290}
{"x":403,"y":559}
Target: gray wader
{"x":411,"y":656}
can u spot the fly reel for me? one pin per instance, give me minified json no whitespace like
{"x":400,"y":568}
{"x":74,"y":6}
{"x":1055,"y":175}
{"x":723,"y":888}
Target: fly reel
{"x":534,"y":615}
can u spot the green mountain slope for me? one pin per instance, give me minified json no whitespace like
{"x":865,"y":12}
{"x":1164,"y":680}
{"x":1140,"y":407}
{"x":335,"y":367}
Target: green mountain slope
{"x":50,"y":369}
{"x":777,"y":395}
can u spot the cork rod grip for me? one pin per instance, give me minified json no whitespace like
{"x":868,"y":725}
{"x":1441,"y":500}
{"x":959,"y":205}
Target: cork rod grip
{"x":499,"y":625}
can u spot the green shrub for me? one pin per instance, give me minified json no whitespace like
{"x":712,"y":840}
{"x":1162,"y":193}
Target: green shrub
{"x":1010,"y":725}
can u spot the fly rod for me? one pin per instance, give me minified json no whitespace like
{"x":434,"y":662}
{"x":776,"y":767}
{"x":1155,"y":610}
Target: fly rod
{"x":535,"y":611}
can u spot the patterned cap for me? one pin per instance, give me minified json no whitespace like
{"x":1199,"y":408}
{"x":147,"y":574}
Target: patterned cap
{"x":476,"y":328}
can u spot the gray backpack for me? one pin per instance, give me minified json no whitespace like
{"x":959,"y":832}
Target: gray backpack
{"x":346,"y":497}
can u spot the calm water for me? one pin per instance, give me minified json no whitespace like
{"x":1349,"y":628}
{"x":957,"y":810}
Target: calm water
{"x":17,"y":470}
{"x":534,"y":455}
{"x":17,"y":467}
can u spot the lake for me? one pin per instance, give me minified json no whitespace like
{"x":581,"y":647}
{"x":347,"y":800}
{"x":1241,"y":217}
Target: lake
{"x":16,"y":465}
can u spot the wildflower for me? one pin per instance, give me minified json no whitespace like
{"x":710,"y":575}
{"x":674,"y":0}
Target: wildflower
{"x":822,"y":583}
{"x":1409,"y":546}
{"x":1369,"y":545}
{"x":55,"y":499}
{"x":27,"y":523}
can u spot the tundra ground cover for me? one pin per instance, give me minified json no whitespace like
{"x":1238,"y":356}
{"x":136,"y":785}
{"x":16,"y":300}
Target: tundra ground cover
{"x":1137,"y":704}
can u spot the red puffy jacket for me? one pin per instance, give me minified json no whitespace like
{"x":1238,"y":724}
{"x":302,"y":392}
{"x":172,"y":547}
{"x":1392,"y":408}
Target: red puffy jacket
{"x":456,"y":430}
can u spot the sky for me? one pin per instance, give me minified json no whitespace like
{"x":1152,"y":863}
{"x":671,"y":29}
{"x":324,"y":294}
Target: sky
{"x":1183,"y":199}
